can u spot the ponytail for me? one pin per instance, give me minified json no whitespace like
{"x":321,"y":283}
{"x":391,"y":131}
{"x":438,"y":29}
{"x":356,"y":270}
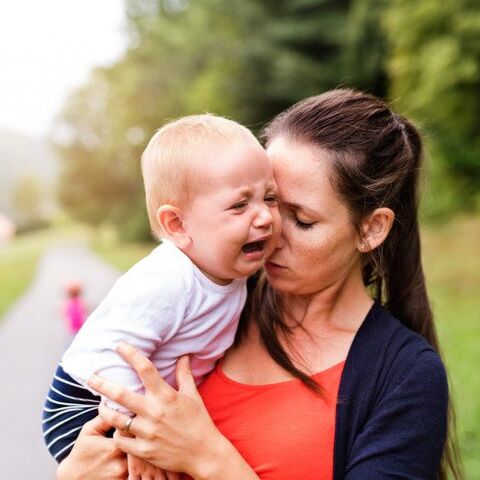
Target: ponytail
{"x":398,"y":276}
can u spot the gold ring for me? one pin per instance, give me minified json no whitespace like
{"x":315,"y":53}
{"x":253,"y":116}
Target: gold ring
{"x":127,"y":425}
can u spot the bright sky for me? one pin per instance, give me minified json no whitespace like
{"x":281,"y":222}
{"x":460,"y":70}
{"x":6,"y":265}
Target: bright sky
{"x":47,"y":48}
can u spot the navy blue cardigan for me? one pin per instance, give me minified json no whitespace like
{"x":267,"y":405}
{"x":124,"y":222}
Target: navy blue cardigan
{"x":393,"y":399}
{"x":391,"y":415}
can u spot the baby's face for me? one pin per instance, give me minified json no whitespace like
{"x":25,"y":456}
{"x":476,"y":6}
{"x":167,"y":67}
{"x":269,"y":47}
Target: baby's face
{"x":233,"y":216}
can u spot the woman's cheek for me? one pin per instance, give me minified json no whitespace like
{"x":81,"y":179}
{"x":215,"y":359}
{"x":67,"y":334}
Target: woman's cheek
{"x":287,"y":230}
{"x":323,"y":250}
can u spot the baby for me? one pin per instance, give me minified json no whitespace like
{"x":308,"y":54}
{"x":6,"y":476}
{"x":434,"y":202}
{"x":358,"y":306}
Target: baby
{"x":211,"y":198}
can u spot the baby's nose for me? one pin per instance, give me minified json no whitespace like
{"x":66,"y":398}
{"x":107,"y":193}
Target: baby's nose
{"x":264,"y":217}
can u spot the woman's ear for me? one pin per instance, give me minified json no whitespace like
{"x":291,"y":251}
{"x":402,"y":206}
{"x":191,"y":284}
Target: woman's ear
{"x":170,"y":219}
{"x":375,"y":229}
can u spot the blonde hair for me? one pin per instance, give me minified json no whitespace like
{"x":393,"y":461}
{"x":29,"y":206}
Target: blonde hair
{"x":174,"y":150}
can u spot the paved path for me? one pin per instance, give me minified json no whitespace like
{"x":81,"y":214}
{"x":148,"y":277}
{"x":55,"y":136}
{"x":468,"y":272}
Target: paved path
{"x":32,"y":338}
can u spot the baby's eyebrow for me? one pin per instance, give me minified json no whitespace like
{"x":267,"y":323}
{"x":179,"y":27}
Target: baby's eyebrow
{"x":245,"y":191}
{"x":271,"y":186}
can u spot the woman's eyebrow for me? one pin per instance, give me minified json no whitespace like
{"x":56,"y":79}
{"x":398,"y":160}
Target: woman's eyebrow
{"x":301,"y":208}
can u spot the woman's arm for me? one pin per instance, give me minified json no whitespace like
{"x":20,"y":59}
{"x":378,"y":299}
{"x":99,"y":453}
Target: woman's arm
{"x":172,"y":430}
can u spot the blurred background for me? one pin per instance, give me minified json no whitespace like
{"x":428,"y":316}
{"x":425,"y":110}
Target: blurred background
{"x":84,"y":85}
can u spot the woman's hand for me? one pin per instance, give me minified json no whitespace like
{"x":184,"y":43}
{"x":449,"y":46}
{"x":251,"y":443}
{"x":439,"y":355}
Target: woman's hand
{"x":171,"y":429}
{"x":94,"y":456}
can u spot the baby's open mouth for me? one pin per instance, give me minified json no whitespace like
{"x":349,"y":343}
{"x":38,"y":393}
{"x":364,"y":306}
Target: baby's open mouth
{"x":254,"y":247}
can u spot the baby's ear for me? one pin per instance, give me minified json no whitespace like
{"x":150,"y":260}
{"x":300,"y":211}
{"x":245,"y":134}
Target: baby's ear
{"x":170,"y":219}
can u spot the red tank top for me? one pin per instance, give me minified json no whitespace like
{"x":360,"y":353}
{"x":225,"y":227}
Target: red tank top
{"x":283,"y":430}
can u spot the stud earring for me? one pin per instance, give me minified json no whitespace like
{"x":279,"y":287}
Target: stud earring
{"x":363,"y":247}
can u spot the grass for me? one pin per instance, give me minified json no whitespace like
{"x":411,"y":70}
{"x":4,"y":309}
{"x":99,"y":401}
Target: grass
{"x":17,"y":267}
{"x":18,"y":260}
{"x":452,"y":264}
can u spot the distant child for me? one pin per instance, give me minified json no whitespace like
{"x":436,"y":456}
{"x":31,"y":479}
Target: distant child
{"x":74,"y":311}
{"x":212,"y":199}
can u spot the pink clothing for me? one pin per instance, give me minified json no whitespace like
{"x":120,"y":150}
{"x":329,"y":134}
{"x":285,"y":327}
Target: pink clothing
{"x":75,"y":313}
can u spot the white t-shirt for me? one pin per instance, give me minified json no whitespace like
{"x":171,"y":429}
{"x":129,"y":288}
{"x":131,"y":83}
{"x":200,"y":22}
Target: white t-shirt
{"x":165,"y":307}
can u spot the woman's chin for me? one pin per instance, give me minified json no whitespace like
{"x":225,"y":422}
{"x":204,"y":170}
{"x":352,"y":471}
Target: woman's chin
{"x":277,"y":278}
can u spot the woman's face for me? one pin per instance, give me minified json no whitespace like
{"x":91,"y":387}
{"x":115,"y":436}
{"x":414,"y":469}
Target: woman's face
{"x":318,"y":246}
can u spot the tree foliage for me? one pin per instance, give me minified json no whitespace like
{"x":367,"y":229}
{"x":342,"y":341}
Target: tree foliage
{"x":28,"y":198}
{"x":434,"y":67}
{"x":249,"y":60}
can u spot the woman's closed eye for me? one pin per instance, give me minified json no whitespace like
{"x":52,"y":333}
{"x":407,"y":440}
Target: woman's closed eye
{"x":301,"y":224}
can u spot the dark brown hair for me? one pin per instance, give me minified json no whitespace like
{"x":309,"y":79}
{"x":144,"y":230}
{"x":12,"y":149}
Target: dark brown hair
{"x":376,"y":160}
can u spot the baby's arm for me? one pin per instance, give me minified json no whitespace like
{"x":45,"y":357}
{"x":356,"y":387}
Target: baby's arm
{"x":144,"y":311}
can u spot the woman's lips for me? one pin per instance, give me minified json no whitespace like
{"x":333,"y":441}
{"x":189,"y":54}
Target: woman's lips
{"x":273,"y":267}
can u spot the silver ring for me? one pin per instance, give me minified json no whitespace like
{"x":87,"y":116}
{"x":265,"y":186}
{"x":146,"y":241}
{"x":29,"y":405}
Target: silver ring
{"x":127,"y":425}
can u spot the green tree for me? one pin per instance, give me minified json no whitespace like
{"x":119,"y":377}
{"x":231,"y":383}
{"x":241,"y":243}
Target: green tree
{"x":28,"y":199}
{"x":247,"y":60}
{"x":365,"y":49}
{"x":434,"y":69}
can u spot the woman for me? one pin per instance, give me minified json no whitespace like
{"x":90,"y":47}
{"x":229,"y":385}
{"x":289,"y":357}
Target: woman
{"x":323,"y":382}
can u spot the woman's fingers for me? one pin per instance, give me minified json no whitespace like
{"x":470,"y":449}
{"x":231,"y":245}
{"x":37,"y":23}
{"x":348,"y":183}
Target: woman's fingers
{"x":130,"y":400}
{"x":118,"y":420}
{"x":97,"y":426}
{"x":173,"y":476}
{"x":159,"y":475}
{"x":185,"y":380}
{"x":151,"y":379}
{"x":130,"y":445}
{"x":184,"y":373}
{"x":94,"y":455}
{"x":148,"y":374}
